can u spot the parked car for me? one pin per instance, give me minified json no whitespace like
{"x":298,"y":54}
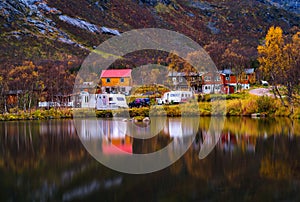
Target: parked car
{"x":140,"y":102}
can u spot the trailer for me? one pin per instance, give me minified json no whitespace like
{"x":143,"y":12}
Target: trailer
{"x":110,"y":101}
{"x":100,"y":101}
{"x":176,"y":97}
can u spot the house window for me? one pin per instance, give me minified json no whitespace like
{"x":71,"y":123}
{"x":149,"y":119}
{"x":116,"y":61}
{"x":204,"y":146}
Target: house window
{"x":207,"y":78}
{"x":120,"y":98}
{"x":180,"y":79}
{"x":122,"y":80}
{"x":218,"y":78}
{"x":207,"y":87}
{"x":107,"y":80}
{"x":123,"y":89}
{"x":227,"y":78}
{"x":174,"y":79}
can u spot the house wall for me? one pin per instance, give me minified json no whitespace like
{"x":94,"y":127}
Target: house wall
{"x":116,"y":89}
{"x":116,"y":82}
{"x":232,"y":79}
{"x":212,"y":88}
{"x":214,"y":78}
{"x":214,"y":84}
{"x":249,"y":79}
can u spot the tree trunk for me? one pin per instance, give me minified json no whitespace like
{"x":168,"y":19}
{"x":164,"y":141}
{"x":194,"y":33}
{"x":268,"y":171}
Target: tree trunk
{"x":290,"y":92}
{"x":5,"y":105}
{"x":280,"y":97}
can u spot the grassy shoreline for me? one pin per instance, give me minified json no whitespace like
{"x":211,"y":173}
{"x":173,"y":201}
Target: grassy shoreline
{"x":243,"y":105}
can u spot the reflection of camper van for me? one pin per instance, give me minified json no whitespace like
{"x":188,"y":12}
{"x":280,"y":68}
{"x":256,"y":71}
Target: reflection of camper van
{"x":177,"y":97}
{"x":110,"y":101}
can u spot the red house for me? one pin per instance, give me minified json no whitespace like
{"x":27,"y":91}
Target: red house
{"x":231,"y":82}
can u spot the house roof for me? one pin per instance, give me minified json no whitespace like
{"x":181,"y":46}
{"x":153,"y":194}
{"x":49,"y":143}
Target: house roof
{"x":226,"y":71}
{"x":249,"y":71}
{"x":176,"y":74}
{"x":229,"y":71}
{"x":181,"y":74}
{"x":115,"y":73}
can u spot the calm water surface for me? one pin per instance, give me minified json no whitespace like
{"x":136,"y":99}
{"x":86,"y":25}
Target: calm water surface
{"x":253,"y":160}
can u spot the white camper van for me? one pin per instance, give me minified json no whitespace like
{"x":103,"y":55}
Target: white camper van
{"x":100,"y":101}
{"x":176,"y":97}
{"x":110,"y":101}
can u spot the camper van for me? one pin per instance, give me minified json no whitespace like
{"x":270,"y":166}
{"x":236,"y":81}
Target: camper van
{"x":176,"y":97}
{"x":110,"y":101}
{"x":100,"y":101}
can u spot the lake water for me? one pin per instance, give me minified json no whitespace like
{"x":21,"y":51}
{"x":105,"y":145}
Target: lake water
{"x":245,"y":160}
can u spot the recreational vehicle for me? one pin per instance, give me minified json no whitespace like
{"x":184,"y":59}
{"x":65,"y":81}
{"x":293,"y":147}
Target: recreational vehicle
{"x":176,"y":97}
{"x":110,"y":101}
{"x":100,"y":101}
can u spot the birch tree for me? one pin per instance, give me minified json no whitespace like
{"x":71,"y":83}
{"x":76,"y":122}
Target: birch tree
{"x":271,"y":59}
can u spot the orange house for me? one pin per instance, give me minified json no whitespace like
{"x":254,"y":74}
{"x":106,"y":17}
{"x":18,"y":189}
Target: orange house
{"x":116,"y":81}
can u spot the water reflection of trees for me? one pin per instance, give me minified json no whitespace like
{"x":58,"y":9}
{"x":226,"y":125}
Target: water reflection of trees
{"x":27,"y":144}
{"x":39,"y":153}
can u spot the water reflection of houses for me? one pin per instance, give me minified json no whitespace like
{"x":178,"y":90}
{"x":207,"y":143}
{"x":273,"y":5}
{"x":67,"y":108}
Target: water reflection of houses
{"x":232,"y":142}
{"x":110,"y":133}
{"x":120,"y":137}
{"x":117,"y":136}
{"x":116,"y":141}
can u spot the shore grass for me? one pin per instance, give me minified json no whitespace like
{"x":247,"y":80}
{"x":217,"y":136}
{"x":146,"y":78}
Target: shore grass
{"x":241,"y":104}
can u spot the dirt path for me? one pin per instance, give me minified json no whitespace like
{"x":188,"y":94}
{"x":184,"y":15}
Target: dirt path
{"x":261,"y":92}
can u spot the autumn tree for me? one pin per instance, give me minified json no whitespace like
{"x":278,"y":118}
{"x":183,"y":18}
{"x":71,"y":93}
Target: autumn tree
{"x":280,"y":62}
{"x":25,"y":80}
{"x":215,"y":50}
{"x":292,"y":63}
{"x":3,"y":92}
{"x":271,"y":59}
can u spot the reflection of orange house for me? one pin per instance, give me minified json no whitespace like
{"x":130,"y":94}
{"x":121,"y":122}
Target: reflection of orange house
{"x":116,"y":80}
{"x":117,"y":146}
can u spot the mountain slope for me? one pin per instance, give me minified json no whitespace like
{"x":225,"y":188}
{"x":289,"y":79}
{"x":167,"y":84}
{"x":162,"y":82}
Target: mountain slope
{"x":63,"y":30}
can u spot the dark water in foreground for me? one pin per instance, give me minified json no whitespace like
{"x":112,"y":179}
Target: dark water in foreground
{"x":253,"y":160}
